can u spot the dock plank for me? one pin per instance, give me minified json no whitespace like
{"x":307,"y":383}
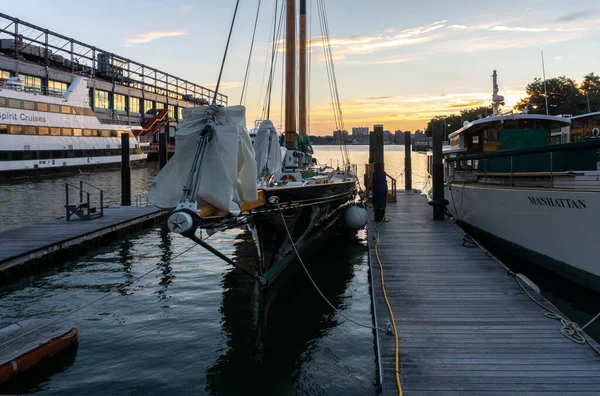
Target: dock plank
{"x":464,"y":326}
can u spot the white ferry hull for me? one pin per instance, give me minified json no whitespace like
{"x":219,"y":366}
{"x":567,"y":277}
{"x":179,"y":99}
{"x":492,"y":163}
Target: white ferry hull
{"x":553,"y":228}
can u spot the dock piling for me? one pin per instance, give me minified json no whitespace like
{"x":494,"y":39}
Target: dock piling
{"x":379,"y":177}
{"x":125,"y":171}
{"x":162,"y":150}
{"x":407,"y":163}
{"x":438,"y":202}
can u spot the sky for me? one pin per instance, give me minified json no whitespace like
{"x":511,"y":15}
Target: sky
{"x":398,"y":63}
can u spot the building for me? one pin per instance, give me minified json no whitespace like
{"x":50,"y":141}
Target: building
{"x":119,"y":89}
{"x":419,"y":136}
{"x":399,"y":137}
{"x":340,"y":137}
{"x":360,"y":135}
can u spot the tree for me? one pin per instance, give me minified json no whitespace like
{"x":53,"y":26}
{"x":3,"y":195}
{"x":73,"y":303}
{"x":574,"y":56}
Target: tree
{"x":590,"y":88}
{"x":564,"y":97}
{"x":445,"y":123}
{"x":476,"y":113}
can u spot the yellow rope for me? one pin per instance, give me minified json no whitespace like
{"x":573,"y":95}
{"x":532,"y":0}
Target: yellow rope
{"x":398,"y":384}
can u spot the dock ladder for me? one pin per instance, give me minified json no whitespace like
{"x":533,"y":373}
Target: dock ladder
{"x":83,"y":209}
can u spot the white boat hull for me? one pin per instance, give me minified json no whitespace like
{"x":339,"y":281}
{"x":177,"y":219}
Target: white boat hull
{"x":553,"y":228}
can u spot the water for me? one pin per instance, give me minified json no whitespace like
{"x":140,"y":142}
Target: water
{"x":191,"y":325}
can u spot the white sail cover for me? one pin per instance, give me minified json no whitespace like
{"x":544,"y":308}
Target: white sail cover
{"x":267,"y":149}
{"x":227,"y":175}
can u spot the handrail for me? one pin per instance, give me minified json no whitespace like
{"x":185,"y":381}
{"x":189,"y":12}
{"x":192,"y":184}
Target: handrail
{"x":392,"y":195}
{"x":81,"y":183}
{"x":573,"y":146}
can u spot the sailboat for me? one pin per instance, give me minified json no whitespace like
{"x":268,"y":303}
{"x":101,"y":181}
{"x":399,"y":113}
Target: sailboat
{"x":218,"y":179}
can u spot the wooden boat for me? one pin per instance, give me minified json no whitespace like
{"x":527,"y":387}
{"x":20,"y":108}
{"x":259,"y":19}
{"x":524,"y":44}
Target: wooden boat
{"x":25,"y":344}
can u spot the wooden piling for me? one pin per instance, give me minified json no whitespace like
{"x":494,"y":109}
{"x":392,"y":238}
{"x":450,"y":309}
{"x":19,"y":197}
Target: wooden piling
{"x":379,"y":177}
{"x":125,"y":171}
{"x":407,"y":163}
{"x":438,"y":202}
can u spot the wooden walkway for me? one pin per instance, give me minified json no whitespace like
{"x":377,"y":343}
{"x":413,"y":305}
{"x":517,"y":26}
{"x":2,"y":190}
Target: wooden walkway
{"x":51,"y":240}
{"x":464,"y":326}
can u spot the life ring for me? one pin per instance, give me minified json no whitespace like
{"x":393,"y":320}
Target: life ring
{"x":287,"y":178}
{"x":595,"y":132}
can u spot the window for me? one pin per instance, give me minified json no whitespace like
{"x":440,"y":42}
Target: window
{"x":148,"y":106}
{"x":54,"y":108}
{"x":134,"y":104}
{"x":65,"y":109}
{"x":5,"y":75}
{"x":159,"y":106}
{"x":3,"y":129}
{"x":29,"y":130}
{"x":87,"y":132}
{"x":56,"y":86}
{"x":119,"y":102}
{"x":41,"y":106}
{"x":31,"y":81}
{"x":475,"y":139}
{"x":55,"y":131}
{"x":88,"y":96}
{"x":105,"y":133}
{"x":113,"y":133}
{"x":16,"y":129}
{"x":27,"y":105}
{"x":42,"y":130}
{"x":179,"y":113}
{"x":14,"y":103}
{"x":77,"y":132}
{"x":101,"y":100}
{"x":2,"y":102}
{"x":67,"y":132}
{"x":171,"y":111}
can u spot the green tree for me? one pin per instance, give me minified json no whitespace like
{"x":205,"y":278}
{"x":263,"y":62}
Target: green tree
{"x":564,"y":97}
{"x":590,"y":88}
{"x":446,"y":123}
{"x":476,"y":113}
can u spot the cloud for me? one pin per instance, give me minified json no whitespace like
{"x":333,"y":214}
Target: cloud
{"x":146,"y":37}
{"x":223,"y":85}
{"x":390,"y":30}
{"x":457,"y":27}
{"x":518,"y":29}
{"x":573,"y":16}
{"x":186,"y":7}
{"x":381,"y":61}
{"x":557,"y":58}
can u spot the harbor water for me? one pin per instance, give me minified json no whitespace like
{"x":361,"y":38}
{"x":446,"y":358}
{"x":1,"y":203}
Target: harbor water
{"x":166,"y":317}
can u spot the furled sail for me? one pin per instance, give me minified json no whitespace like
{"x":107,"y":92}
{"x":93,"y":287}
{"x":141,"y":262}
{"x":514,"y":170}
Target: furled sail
{"x":227,"y":173}
{"x":267,"y":151}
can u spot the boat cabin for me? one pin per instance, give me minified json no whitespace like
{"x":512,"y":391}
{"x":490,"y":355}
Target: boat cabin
{"x":585,"y":126}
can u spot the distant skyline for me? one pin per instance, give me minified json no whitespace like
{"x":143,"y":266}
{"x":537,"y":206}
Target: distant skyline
{"x":398,"y":63}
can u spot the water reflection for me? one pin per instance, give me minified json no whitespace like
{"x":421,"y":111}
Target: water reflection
{"x":266,"y":350}
{"x":164,"y":266}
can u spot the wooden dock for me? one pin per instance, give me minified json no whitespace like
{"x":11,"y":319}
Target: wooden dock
{"x":464,"y":326}
{"x":27,"y":248}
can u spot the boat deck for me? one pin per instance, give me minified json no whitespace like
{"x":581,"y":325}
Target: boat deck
{"x":44,"y":243}
{"x":464,"y":326}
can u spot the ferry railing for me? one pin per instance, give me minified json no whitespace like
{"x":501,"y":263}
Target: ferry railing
{"x":529,"y":167}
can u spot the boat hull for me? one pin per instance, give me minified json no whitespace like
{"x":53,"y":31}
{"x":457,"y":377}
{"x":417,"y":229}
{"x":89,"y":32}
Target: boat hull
{"x":552,"y":228}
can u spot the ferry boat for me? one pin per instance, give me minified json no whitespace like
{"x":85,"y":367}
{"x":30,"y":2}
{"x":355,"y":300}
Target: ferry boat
{"x":531,"y":184}
{"x":45,"y":134}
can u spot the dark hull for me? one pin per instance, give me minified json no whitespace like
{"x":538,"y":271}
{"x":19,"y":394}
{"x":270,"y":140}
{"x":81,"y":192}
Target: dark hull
{"x":306,"y":210}
{"x":49,"y":173}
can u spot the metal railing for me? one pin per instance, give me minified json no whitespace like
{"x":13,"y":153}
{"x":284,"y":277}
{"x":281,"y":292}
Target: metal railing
{"x":82,"y":209}
{"x":529,"y":167}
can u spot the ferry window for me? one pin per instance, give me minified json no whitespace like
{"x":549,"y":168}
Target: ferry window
{"x":101,"y":99}
{"x":577,"y":124}
{"x":74,"y":111}
{"x":96,"y":132}
{"x":171,"y":111}
{"x":77,"y":132}
{"x":148,"y":106}
{"x":31,"y":81}
{"x":87,"y":132}
{"x":27,"y":105}
{"x":16,"y":129}
{"x":113,"y":133}
{"x":43,"y":131}
{"x":67,"y":132}
{"x":119,"y":102}
{"x":134,"y":104}
{"x":14,"y":103}
{"x":596,"y":121}
{"x":179,"y":113}
{"x":57,"y":86}
{"x":475,"y":139}
{"x":29,"y":130}
{"x":55,"y":131}
{"x":65,"y":109}
{"x":5,"y":75}
{"x":105,"y":133}
{"x":88,"y":96}
{"x":41,"y":106}
{"x":3,"y":129}
{"x":2,"y":102}
{"x":54,"y":108}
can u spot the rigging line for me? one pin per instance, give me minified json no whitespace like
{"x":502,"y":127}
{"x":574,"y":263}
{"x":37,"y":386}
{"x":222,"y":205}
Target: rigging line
{"x":277,"y":39}
{"x":311,"y":278}
{"x":250,"y":54}
{"x":270,"y":89}
{"x":262,"y":83}
{"x":309,"y":17}
{"x":95,"y":300}
{"x":225,"y":54}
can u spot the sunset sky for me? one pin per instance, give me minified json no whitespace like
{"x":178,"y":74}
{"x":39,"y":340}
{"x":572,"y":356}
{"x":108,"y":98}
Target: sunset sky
{"x":398,"y":62}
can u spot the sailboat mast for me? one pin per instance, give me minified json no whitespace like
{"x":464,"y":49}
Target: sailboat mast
{"x":302,"y":71}
{"x":290,"y":76}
